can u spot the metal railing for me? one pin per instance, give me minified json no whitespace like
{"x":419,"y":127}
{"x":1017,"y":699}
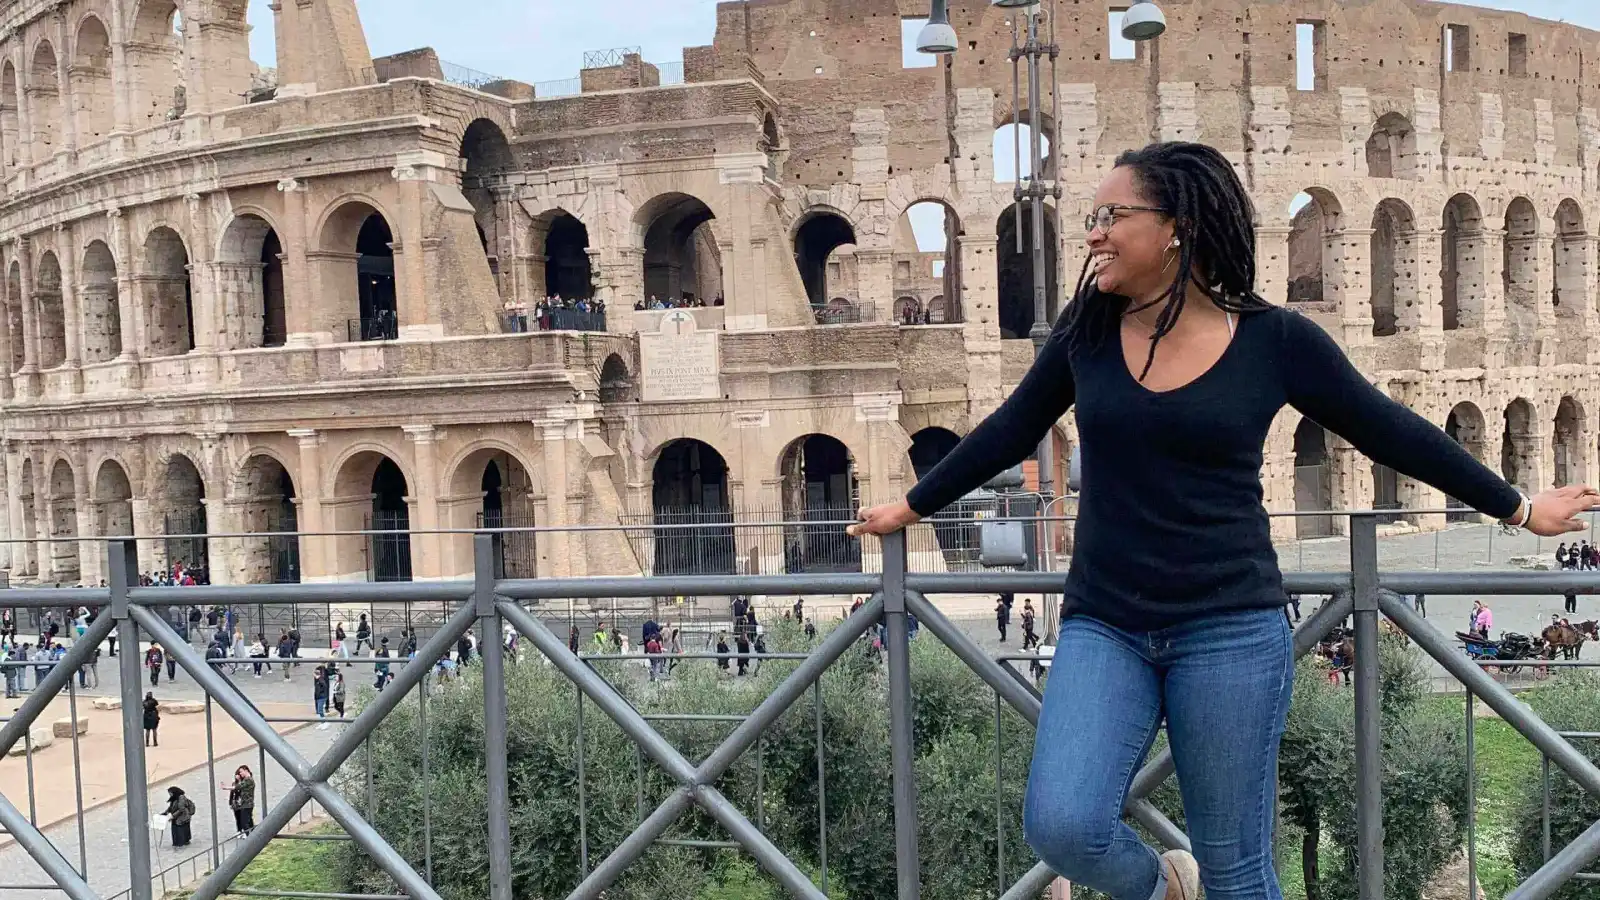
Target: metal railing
{"x":553,"y":320}
{"x":899,"y":602}
{"x":386,"y":328}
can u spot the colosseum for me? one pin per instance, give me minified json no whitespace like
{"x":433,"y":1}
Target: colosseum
{"x":243,"y":301}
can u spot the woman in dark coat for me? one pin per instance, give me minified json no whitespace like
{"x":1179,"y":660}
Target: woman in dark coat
{"x":180,"y":810}
{"x":242,"y":799}
{"x":152,"y":721}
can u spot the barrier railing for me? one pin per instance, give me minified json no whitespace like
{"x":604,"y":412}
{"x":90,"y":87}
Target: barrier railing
{"x":899,"y":603}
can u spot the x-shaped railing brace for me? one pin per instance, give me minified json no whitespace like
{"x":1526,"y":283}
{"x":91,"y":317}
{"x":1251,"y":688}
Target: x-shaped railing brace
{"x":28,"y":837}
{"x":695,"y":782}
{"x":311,"y":781}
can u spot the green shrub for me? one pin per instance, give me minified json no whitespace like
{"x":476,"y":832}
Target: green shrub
{"x":1568,"y":702}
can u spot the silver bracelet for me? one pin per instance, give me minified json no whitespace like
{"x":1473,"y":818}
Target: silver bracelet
{"x":1526,"y":509}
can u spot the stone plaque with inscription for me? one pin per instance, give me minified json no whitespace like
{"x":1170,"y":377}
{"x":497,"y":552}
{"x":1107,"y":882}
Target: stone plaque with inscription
{"x":680,"y":362}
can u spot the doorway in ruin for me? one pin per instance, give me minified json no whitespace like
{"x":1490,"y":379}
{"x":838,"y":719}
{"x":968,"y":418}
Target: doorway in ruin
{"x":1314,"y":250}
{"x":250,"y":264}
{"x":1465,"y":426}
{"x":267,"y":505}
{"x":820,"y":233}
{"x":1519,"y":446}
{"x":376,"y":299}
{"x":1520,"y":264}
{"x":819,"y":489}
{"x":102,"y":316}
{"x":1015,"y":263}
{"x":50,"y":311}
{"x":63,"y":509}
{"x":568,"y":271}
{"x":1570,"y":266}
{"x":1392,"y":148}
{"x":506,"y":488}
{"x":1313,"y":480}
{"x":168,"y":294}
{"x":389,"y":554}
{"x":1394,"y":269}
{"x":689,"y":491}
{"x":113,"y":503}
{"x":681,"y":258}
{"x":1568,"y":441}
{"x":183,"y":516}
{"x":1461,"y":277}
{"x":927,"y":246}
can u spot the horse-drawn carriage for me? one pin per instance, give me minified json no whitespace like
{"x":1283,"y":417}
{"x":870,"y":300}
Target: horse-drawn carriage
{"x":1509,"y":649}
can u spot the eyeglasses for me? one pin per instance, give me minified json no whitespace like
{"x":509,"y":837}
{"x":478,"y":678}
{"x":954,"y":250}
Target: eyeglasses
{"x":1107,"y":216}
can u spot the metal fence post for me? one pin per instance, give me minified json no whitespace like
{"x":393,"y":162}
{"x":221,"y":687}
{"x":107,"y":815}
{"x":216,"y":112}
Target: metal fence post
{"x":897,"y":642}
{"x":1369,"y":757}
{"x":494,"y":717}
{"x":124,"y":565}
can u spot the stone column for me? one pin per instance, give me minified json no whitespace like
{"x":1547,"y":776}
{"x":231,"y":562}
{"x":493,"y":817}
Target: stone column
{"x":980,"y":299}
{"x":1353,"y":247}
{"x":874,"y":284}
{"x":45,"y":552}
{"x":553,"y":441}
{"x":299,"y":283}
{"x":416,"y":310}
{"x":25,"y":155}
{"x":130,"y":306}
{"x":202,"y":277}
{"x":316,"y":553}
{"x":8,"y":554}
{"x":30,"y":318}
{"x":69,"y":124}
{"x":1272,"y":261}
{"x":426,"y":558}
{"x":91,"y":555}
{"x":71,"y":309}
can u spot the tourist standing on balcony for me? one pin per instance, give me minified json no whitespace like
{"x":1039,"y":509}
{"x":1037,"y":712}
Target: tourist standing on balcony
{"x":1177,"y":369}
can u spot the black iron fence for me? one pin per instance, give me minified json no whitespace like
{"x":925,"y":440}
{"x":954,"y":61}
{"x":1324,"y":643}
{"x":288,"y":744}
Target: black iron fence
{"x":553,"y":320}
{"x":382,"y":328}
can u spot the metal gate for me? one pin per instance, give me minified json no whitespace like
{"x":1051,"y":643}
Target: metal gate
{"x":516,"y":553}
{"x":191,"y":551}
{"x":1311,"y":491}
{"x":389,"y":555}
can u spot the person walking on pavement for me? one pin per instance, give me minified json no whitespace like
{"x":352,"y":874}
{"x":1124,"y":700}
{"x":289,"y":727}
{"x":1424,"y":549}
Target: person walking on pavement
{"x":285,"y":653}
{"x":381,"y":670}
{"x":319,"y":691}
{"x":152,"y":720}
{"x":1029,"y":638}
{"x":1571,"y":606}
{"x":1002,"y":616}
{"x":152,"y":661}
{"x":242,"y":799}
{"x":336,"y":693}
{"x":180,"y":812}
{"x":363,"y":635}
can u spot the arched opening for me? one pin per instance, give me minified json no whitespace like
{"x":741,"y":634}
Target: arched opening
{"x":1521,"y":265}
{"x":169,"y":294}
{"x":113,"y":502}
{"x":1386,"y":491}
{"x":689,"y":487}
{"x":1394,"y":269}
{"x":1569,"y":440}
{"x":1519,"y":446}
{"x":907,"y":311}
{"x":1461,"y":275}
{"x":156,"y":53}
{"x":250,"y":268}
{"x":1392,"y":148}
{"x":46,"y":109}
{"x":616,"y":383}
{"x":91,"y":82}
{"x":377,"y":300}
{"x":52,"y":315}
{"x":1015,"y":262}
{"x":371,"y":494}
{"x":28,"y":499}
{"x":819,"y":486}
{"x":102,"y":317}
{"x":771,"y":142}
{"x":1571,"y":263}
{"x":266,"y":498}
{"x":927,"y":260}
{"x":838,"y":311}
{"x":10,"y":121}
{"x":506,"y":490}
{"x":681,"y":259}
{"x":1313,"y":480}
{"x":486,"y":154}
{"x":958,"y":541}
{"x":818,"y":236}
{"x":1013,"y":152}
{"x":1465,"y":426}
{"x":1315,"y":253}
{"x":64,"y":523}
{"x":568,"y":272}
{"x":14,"y":327}
{"x":183,"y":515}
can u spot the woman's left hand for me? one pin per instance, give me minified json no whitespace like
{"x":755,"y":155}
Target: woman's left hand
{"x":1555,"y":511}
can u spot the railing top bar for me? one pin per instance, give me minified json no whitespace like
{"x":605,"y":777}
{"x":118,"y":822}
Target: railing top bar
{"x":685,"y":585}
{"x":330,"y":592}
{"x":597,"y":657}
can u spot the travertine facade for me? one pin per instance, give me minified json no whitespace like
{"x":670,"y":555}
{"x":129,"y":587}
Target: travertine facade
{"x":245,"y":316}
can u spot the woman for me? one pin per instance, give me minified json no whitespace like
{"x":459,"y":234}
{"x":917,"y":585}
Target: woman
{"x":242,"y":799}
{"x":337,"y":691}
{"x":152,"y":720}
{"x":180,"y":811}
{"x":1177,"y":369}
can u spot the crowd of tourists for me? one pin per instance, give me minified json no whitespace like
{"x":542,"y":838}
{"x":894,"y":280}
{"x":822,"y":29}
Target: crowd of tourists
{"x":687,"y":301}
{"x":522,"y":317}
{"x":1579,"y":557}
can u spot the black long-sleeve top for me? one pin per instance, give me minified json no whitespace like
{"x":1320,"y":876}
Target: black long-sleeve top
{"x":1171,"y":524}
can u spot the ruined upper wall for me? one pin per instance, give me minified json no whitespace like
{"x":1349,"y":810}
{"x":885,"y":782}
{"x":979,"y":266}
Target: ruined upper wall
{"x":825,"y":58}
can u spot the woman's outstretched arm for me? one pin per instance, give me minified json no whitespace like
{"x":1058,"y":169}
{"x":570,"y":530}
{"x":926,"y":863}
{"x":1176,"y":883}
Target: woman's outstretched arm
{"x":1323,"y":383}
{"x":1001,"y":441}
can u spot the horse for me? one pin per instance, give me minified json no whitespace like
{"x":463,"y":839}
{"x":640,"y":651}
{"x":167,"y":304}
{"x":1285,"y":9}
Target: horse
{"x":1568,"y":639}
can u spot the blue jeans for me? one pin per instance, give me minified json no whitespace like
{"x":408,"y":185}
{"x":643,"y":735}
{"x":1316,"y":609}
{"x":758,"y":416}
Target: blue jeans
{"x":1223,"y":684}
{"x":321,"y":703}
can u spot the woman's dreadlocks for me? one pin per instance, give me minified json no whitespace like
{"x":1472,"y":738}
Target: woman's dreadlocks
{"x":1214,"y":222}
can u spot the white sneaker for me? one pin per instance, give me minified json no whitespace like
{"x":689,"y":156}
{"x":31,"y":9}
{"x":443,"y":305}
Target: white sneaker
{"x":1183,"y":875}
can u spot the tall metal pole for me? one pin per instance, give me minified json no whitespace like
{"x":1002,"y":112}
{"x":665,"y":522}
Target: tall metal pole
{"x":494,"y":708}
{"x":897,"y":641}
{"x":124,"y":559}
{"x":1369,"y":741}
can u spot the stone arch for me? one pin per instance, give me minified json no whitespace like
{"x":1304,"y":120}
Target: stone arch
{"x":818,"y":484}
{"x":689,"y":487}
{"x":168,"y":293}
{"x":568,"y":266}
{"x":1520,"y":446}
{"x":617,"y":384}
{"x":1466,"y":426}
{"x":491,"y":486}
{"x":46,"y":108}
{"x":13,"y":315}
{"x":1015,"y":299}
{"x":939,"y":312}
{"x":1392,"y":148}
{"x":1315,"y":252}
{"x":51,"y":311}
{"x":1570,"y":440}
{"x":63,"y":509}
{"x":156,"y":53}
{"x":371,"y":493}
{"x":681,"y":256}
{"x":956,"y":539}
{"x":359,"y":274}
{"x":1313,"y":479}
{"x":251,"y":284}
{"x":1571,"y":263}
{"x":929,"y":446}
{"x":917,"y":240}
{"x":267,"y":504}
{"x":485,"y":154}
{"x":1394,"y":269}
{"x":181,"y":508}
{"x":1462,"y":264}
{"x":10,"y":118}
{"x":113,"y":500}
{"x":907,"y":311}
{"x":101,"y":310}
{"x":92,"y":91}
{"x":1521,"y":265}
{"x":817,"y":234}
{"x":1012,"y":147}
